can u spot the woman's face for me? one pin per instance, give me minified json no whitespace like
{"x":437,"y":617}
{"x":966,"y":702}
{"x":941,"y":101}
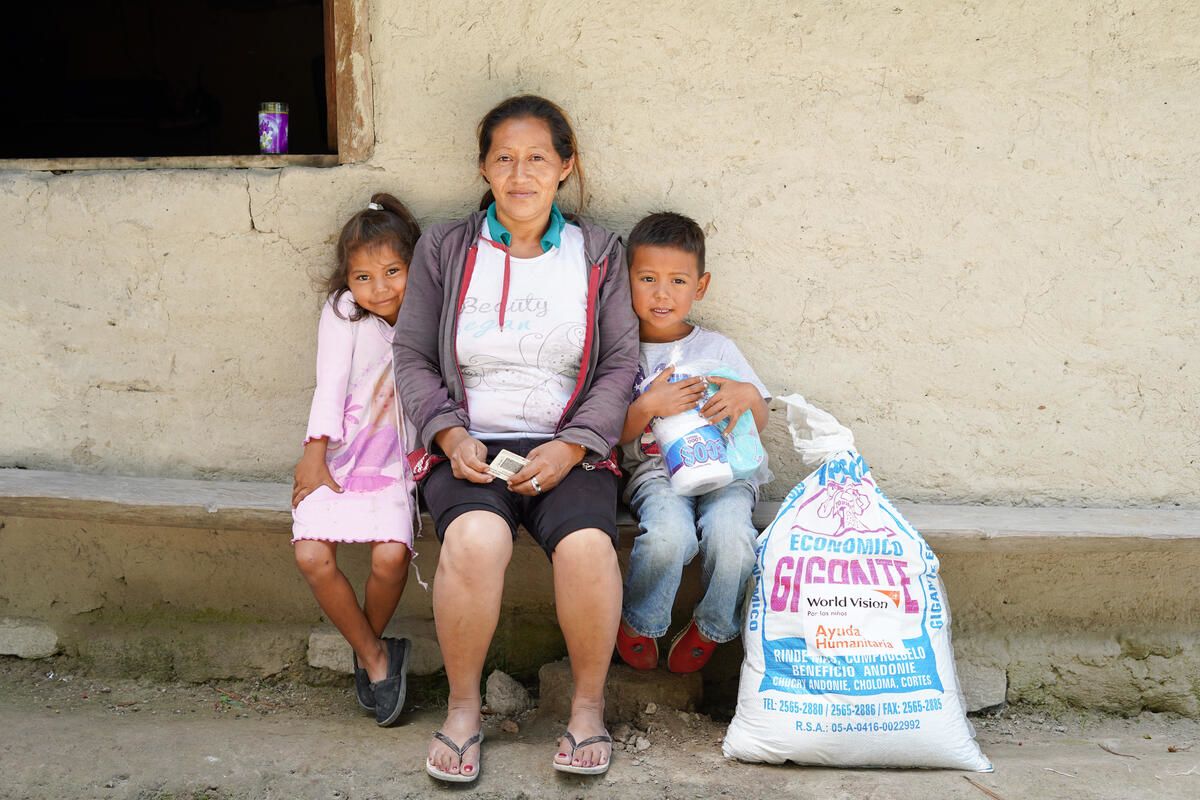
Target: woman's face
{"x":524,"y":170}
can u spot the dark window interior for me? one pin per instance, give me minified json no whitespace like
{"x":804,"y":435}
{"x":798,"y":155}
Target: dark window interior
{"x":177,"y":78}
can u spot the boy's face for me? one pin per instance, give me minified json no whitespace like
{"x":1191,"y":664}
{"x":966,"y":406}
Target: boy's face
{"x":664,"y":281}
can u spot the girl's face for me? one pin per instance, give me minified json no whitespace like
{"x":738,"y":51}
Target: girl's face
{"x":524,"y":170}
{"x":377,"y":277}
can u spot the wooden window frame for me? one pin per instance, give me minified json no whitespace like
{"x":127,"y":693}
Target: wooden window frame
{"x":350,"y":124}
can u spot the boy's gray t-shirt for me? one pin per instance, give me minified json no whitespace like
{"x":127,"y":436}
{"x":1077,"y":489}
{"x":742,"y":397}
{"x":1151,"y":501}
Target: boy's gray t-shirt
{"x":641,"y":458}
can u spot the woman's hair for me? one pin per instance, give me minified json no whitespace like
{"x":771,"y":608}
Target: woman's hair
{"x":561,"y":134}
{"x":385,"y":222}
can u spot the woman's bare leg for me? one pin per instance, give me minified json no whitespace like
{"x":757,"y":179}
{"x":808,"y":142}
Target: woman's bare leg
{"x":466,"y":607}
{"x":587,"y":594}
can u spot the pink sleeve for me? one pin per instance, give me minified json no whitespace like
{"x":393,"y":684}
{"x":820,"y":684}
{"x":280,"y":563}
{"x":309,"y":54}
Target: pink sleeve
{"x":335,"y":349}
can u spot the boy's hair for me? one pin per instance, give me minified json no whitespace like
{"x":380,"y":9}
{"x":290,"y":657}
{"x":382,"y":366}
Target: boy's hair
{"x":385,"y":222}
{"x":668,"y":229}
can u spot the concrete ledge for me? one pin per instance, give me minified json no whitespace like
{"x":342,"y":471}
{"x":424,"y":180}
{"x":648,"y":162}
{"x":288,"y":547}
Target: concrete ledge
{"x":1090,"y":608}
{"x":195,"y":580}
{"x":170,"y":502}
{"x":257,"y":506}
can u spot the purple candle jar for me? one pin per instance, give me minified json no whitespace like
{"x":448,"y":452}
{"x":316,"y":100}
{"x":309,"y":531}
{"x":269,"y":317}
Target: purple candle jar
{"x":272,"y":128}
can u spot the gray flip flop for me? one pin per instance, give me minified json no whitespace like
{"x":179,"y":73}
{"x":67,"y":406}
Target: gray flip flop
{"x":597,"y":769}
{"x":456,"y":777}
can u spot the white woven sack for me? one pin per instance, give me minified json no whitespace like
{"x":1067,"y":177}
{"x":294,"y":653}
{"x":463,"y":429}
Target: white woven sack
{"x":847,"y":635}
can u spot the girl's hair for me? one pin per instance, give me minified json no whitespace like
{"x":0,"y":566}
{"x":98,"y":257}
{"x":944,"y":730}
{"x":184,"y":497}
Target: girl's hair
{"x":561,"y":134}
{"x":392,"y":225}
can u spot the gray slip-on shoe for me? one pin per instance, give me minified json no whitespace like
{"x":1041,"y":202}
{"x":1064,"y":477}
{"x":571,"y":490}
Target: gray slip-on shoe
{"x":362,"y":686}
{"x":389,"y":692}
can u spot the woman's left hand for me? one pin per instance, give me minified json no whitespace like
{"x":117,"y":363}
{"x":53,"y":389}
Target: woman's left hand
{"x":548,"y":463}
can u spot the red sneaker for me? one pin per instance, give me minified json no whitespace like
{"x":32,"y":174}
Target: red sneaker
{"x":639,"y":652}
{"x":688,"y":651}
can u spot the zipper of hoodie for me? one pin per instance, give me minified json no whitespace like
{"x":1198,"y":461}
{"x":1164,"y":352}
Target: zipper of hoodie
{"x":594,"y":279}
{"x":464,"y":284}
{"x":427,"y":457}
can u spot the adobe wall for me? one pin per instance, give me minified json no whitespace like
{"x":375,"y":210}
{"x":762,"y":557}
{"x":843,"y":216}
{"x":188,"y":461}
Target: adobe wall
{"x":965,"y":229}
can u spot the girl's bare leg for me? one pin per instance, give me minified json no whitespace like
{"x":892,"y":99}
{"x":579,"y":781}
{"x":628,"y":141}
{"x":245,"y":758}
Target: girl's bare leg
{"x":318,"y":564}
{"x":385,"y":584}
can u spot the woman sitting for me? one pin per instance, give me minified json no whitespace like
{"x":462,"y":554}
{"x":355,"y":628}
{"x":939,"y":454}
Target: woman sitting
{"x":517,"y":334}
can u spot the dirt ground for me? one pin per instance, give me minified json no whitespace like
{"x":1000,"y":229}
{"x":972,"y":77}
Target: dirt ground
{"x":71,"y":736}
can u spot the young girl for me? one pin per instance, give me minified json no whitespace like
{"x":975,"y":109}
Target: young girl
{"x":352,"y":483}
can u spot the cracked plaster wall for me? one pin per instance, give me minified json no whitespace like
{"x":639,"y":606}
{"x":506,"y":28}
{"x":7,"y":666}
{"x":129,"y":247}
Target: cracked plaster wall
{"x":966,"y":229}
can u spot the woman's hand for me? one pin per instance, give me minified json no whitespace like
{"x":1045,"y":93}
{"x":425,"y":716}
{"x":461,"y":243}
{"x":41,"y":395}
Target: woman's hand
{"x":664,"y":397}
{"x":466,"y":453}
{"x":733,"y":398}
{"x":312,"y":472}
{"x":549,"y":463}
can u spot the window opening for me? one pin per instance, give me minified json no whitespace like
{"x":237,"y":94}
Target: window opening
{"x":131,"y":78}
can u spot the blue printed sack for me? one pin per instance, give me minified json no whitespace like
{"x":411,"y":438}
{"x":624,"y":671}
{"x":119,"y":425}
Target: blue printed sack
{"x":847,"y":632}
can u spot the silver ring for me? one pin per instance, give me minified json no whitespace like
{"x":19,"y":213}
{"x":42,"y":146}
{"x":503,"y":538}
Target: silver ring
{"x":537,"y":487}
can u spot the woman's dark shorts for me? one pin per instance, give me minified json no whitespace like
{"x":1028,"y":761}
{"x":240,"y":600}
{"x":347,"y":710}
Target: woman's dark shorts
{"x":584,"y":499}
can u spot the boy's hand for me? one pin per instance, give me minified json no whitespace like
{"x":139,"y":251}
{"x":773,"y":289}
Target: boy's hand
{"x":733,"y":398}
{"x":663,"y":398}
{"x":311,"y":474}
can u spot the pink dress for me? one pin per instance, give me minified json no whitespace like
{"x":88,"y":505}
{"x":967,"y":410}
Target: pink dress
{"x":355,"y":405}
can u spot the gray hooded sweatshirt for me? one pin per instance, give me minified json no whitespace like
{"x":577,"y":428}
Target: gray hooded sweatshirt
{"x":424,"y":347}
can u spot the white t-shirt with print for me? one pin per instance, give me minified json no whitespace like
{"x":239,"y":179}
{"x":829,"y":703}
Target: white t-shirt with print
{"x":519,"y":380}
{"x":641,"y":457}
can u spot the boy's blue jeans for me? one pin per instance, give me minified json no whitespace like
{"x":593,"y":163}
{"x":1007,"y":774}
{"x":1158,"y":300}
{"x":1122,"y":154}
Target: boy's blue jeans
{"x":716,"y":525}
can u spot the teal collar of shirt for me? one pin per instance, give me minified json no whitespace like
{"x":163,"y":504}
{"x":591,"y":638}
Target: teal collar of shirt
{"x":551,"y":238}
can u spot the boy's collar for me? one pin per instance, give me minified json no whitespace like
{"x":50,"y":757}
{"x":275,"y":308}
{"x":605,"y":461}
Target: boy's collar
{"x":695,"y":329}
{"x":551,"y":238}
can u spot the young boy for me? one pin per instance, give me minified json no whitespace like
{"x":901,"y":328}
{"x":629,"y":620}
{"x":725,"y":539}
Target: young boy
{"x":666,"y":275}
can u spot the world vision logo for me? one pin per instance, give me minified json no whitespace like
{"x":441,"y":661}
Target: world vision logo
{"x":890,"y":594}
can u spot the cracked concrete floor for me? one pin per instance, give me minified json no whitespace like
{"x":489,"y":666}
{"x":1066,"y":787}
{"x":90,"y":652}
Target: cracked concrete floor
{"x":72,"y":736}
